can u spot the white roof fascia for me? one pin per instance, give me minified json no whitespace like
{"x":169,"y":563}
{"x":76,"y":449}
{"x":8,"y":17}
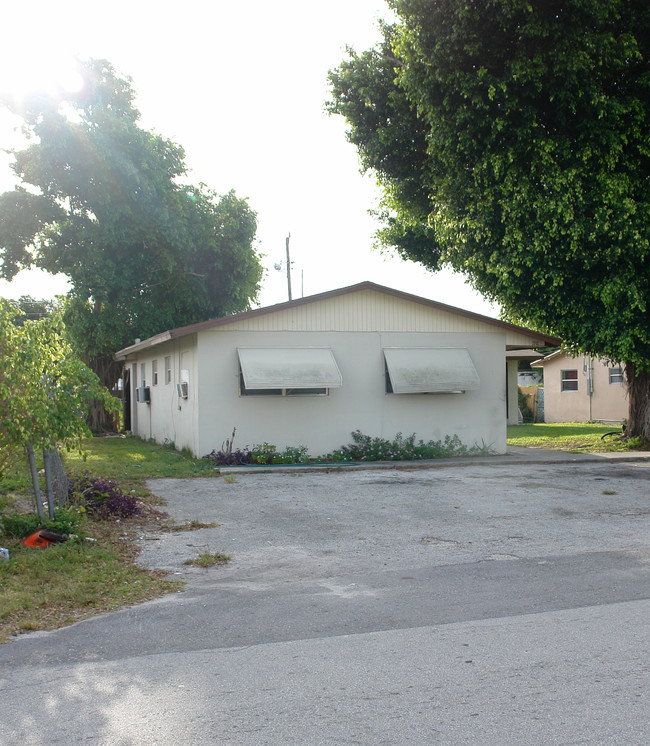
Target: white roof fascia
{"x":540,"y":363}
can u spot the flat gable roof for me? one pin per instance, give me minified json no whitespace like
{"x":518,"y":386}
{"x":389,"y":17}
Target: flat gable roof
{"x":224,"y":321}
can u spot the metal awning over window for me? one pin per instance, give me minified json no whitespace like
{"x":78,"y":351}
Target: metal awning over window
{"x":427,"y":370}
{"x":289,"y":368}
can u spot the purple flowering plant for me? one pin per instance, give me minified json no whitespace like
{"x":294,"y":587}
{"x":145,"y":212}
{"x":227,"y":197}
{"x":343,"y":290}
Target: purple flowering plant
{"x":103,"y":498}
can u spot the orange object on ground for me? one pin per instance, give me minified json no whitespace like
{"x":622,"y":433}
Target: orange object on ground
{"x":42,"y":538}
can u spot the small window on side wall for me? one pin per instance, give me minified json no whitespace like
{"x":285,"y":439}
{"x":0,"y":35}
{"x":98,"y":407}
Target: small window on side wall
{"x":168,"y":369}
{"x":569,"y":380}
{"x":154,"y":372}
{"x":287,"y":371}
{"x":315,"y":391}
{"x":616,"y":375}
{"x":429,"y":370}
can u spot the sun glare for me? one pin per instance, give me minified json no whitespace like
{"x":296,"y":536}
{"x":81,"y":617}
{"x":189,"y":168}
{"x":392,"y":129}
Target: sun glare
{"x":40,"y":68}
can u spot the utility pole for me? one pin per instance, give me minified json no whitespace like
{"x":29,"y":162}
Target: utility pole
{"x":289,"y":268}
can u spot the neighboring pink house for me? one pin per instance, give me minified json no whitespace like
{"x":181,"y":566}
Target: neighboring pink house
{"x":578,"y":389}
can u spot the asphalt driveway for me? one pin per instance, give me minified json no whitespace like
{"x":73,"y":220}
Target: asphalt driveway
{"x":285,"y":526}
{"x":491,"y":602}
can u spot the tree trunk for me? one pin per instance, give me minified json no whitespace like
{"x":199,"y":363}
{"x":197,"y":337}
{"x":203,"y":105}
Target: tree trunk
{"x":638,"y":392}
{"x":108,"y":371}
{"x":49,"y":490}
{"x":31,"y":460}
{"x":60,"y":480}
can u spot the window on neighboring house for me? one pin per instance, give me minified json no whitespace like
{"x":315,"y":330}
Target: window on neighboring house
{"x":292,"y":371}
{"x":143,"y":374}
{"x":168,"y":369}
{"x":616,"y":375}
{"x":569,"y":380}
{"x":154,"y":372}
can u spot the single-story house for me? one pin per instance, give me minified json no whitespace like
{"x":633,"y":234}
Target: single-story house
{"x":582,"y":388}
{"x":310,"y":371}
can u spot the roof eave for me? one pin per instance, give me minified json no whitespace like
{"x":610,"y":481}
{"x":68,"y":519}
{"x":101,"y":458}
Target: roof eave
{"x":543,"y":339}
{"x":150,"y":342}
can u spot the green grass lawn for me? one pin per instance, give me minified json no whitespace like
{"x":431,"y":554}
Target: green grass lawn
{"x":583,"y":437}
{"x":49,"y":588}
{"x":129,"y":458}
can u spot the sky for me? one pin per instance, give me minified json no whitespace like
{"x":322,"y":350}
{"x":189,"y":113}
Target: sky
{"x":241,"y":86}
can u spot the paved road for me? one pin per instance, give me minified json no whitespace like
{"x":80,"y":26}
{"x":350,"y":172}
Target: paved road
{"x":492,"y":603}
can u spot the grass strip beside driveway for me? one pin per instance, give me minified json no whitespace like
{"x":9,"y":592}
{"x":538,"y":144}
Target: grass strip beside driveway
{"x":43,"y":589}
{"x":580,"y":437}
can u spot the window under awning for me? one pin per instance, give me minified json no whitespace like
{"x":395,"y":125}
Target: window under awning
{"x":428,"y":370}
{"x":289,"y":368}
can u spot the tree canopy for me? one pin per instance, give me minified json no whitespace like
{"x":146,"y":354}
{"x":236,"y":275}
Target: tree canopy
{"x":511,"y":142}
{"x":45,"y":390}
{"x":107,"y":203}
{"x":33,"y":309}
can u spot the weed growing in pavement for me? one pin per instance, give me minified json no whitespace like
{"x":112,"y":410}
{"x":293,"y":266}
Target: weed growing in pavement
{"x":208,"y":559}
{"x":189,"y":526}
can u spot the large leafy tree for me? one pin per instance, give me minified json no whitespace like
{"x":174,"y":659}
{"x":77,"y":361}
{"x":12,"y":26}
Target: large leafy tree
{"x":511,"y":141}
{"x":45,"y":390}
{"x":106,"y":203}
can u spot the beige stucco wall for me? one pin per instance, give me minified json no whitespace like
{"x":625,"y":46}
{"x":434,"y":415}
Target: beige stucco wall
{"x":607,"y":403}
{"x":168,"y":418}
{"x":323,"y":423}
